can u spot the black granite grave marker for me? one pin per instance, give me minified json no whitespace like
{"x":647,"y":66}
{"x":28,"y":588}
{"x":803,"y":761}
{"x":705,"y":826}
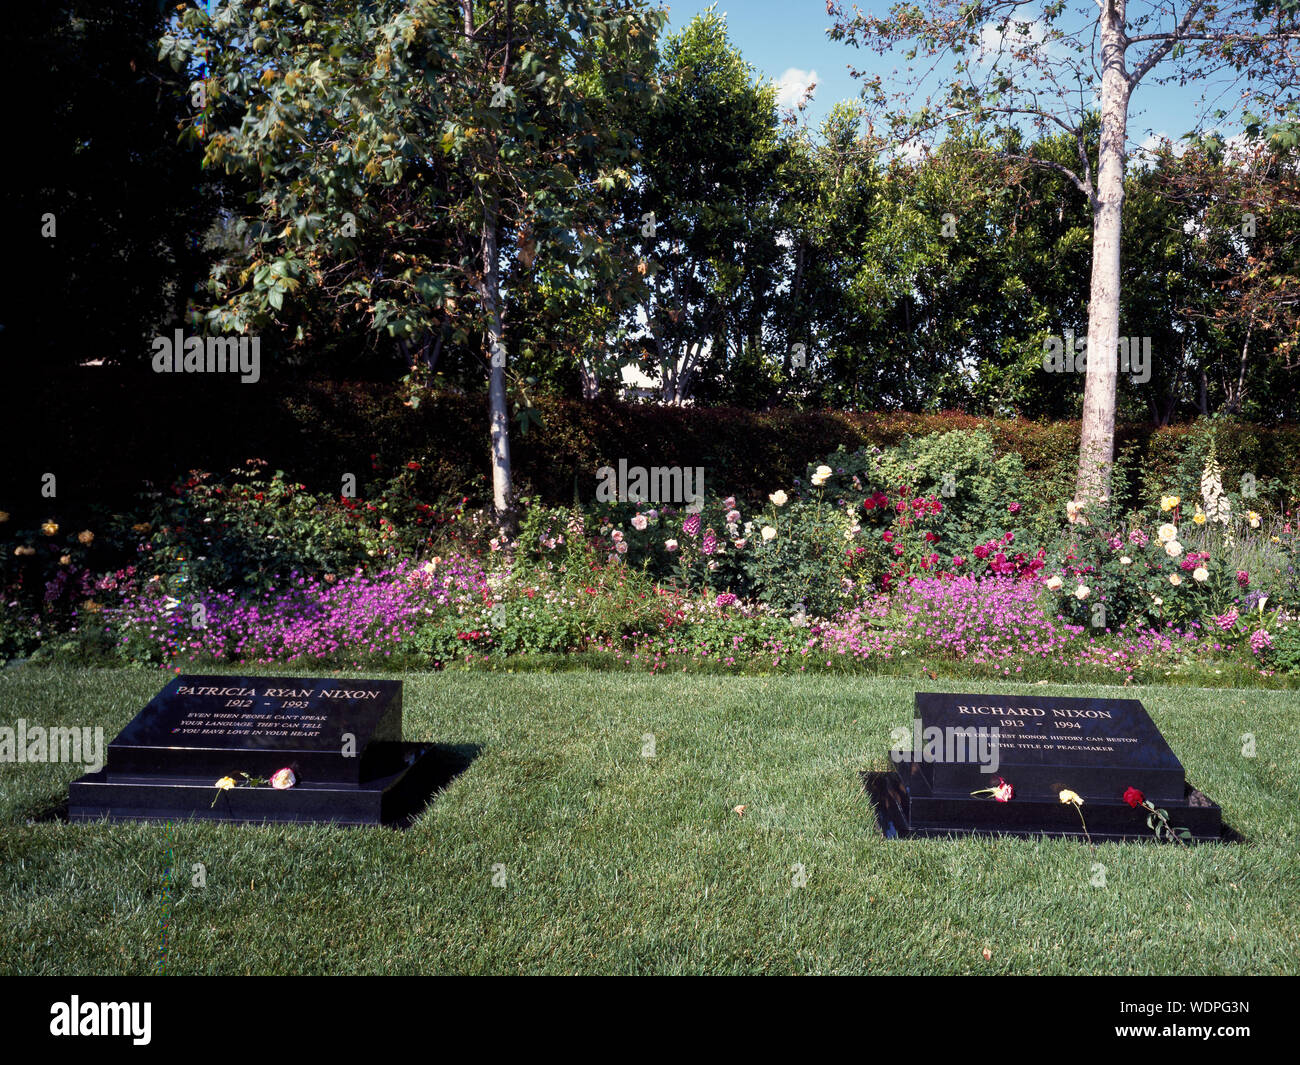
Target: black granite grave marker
{"x":1097,"y":748}
{"x":341,"y":738}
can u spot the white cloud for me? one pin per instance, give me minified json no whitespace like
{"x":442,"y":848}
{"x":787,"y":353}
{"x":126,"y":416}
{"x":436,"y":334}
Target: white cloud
{"x":791,"y":86}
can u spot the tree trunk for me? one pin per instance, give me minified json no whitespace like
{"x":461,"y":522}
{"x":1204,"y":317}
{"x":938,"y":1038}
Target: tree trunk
{"x":502,"y":488}
{"x":1097,"y":436}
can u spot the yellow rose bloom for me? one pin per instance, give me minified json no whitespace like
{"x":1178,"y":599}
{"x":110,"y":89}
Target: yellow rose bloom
{"x":225,"y":783}
{"x":1169,"y":502}
{"x":49,"y":528}
{"x":85,"y":537}
{"x":1071,"y":798}
{"x":1199,"y":518}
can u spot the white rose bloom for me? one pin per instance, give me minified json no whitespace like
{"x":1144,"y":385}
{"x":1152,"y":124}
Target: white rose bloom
{"x":1126,"y":561}
{"x":1054,"y":583}
{"x":1166,"y":533}
{"x":779,"y":498}
{"x":1173,"y":549}
{"x":1200,"y":574}
{"x":1175,"y":579}
{"x":1082,"y":592}
{"x":769,"y":533}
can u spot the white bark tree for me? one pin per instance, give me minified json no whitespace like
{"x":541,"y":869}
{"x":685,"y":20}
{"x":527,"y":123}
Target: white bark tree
{"x":1052,"y":66}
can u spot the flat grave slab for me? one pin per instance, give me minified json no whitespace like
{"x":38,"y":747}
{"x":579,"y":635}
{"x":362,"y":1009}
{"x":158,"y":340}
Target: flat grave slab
{"x":1041,"y":746}
{"x":341,"y":738}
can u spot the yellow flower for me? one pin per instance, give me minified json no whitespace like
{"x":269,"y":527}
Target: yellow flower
{"x":1071,"y":798}
{"x":1253,"y":518}
{"x":85,"y":537}
{"x":1169,"y":502}
{"x":49,"y":528}
{"x":142,"y":527}
{"x":22,"y":552}
{"x":1199,"y":517}
{"x":224,"y":784}
{"x":65,"y":560}
{"x":91,"y":607}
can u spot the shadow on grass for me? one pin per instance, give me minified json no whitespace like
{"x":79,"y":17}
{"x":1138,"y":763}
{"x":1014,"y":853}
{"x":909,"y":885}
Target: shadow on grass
{"x":446,"y":761}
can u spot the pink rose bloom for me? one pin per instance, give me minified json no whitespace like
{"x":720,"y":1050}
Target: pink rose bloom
{"x":639,"y":522}
{"x":729,"y":502}
{"x":1243,"y":578}
{"x":726,"y":599}
{"x":733,"y":516}
{"x":283,"y":779}
{"x":621,"y":548}
{"x":1013,"y":508}
{"x":670,"y":545}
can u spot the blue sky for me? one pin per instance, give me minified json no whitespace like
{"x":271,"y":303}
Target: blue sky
{"x":786,"y":41}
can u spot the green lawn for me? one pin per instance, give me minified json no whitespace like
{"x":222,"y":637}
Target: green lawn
{"x":617,"y":863}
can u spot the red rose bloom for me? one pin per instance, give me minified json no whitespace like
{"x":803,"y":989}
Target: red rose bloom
{"x":1134,"y":797}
